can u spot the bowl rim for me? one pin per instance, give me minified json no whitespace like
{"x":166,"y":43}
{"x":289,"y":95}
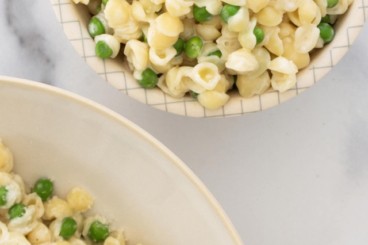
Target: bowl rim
{"x":121,"y":120}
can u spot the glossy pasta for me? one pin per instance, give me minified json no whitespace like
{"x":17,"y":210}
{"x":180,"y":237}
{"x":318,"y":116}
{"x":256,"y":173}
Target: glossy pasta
{"x":26,"y":219}
{"x":187,"y":46}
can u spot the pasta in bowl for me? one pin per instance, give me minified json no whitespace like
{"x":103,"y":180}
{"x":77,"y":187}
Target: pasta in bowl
{"x":103,"y":168}
{"x":38,"y":216}
{"x":220,"y":57}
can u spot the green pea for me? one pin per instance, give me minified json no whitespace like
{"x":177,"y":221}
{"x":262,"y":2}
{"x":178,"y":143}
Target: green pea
{"x":149,"y":79}
{"x":3,"y":195}
{"x":143,"y":38}
{"x":44,"y":188}
{"x":95,"y":27}
{"x":217,"y":53}
{"x":68,"y":228}
{"x":103,"y":50}
{"x":17,"y":210}
{"x":259,"y":33}
{"x":98,"y":231}
{"x":193,"y":47}
{"x":201,"y":14}
{"x":228,"y":11}
{"x":193,"y":94}
{"x":326,"y":19}
{"x":332,"y":3}
{"x":327,"y":32}
{"x":179,"y":46}
{"x":104,"y":2}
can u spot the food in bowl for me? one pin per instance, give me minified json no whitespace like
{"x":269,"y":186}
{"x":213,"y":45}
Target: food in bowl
{"x":40,"y":217}
{"x":209,"y":48}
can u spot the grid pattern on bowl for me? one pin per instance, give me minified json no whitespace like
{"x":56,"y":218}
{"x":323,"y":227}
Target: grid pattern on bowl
{"x":118,"y":75}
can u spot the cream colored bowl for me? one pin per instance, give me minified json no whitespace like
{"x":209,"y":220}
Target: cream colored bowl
{"x":136,"y":181}
{"x":74,"y":21}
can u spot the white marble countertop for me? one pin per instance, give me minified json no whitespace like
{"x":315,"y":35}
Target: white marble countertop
{"x":296,"y":174}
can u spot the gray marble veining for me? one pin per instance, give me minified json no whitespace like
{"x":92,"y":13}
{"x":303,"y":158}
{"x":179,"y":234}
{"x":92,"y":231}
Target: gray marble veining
{"x":21,"y":24}
{"x":296,"y":174}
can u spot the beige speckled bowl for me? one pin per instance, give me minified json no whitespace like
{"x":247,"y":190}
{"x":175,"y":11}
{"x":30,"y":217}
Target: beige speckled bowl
{"x":74,"y":21}
{"x":137,"y":183}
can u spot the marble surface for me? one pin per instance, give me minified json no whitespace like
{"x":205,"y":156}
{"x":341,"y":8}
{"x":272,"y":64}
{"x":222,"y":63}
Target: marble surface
{"x":296,"y":174}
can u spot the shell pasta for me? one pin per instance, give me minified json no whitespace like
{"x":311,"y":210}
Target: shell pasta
{"x":39,"y":217}
{"x":184,"y":47}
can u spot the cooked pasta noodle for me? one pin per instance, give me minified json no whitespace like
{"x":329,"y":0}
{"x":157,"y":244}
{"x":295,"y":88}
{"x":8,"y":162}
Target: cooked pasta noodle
{"x":239,"y":21}
{"x":6,"y":159}
{"x":250,"y":86}
{"x":241,"y":62}
{"x":213,"y":99}
{"x":206,"y":75}
{"x":214,"y":6}
{"x":177,"y":81}
{"x":137,"y":55}
{"x":178,"y":7}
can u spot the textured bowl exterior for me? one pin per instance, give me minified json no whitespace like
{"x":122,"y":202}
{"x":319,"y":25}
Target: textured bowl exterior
{"x":74,"y":22}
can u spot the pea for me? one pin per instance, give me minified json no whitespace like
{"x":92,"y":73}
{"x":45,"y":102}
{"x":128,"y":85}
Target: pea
{"x":98,"y":231}
{"x":201,"y":14}
{"x":217,"y":53}
{"x":104,"y":2}
{"x":326,"y":19}
{"x":103,"y":50}
{"x":143,"y":38}
{"x":259,"y":33}
{"x":149,"y":79}
{"x":193,"y":47}
{"x":3,"y":195}
{"x":17,"y":210}
{"x":179,"y":46}
{"x":327,"y":32}
{"x":332,"y":3}
{"x":193,"y":94}
{"x":68,"y":228}
{"x":228,"y":11}
{"x":44,"y":188}
{"x":95,"y":27}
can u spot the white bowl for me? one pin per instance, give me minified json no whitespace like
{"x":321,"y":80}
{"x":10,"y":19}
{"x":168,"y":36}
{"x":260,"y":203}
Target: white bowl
{"x":74,"y":21}
{"x":136,"y":181}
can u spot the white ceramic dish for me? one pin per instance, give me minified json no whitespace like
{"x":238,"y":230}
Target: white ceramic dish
{"x":137,"y":182}
{"x":74,"y":21}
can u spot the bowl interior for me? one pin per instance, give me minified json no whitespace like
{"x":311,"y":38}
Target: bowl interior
{"x":137,"y":183}
{"x":74,"y":19}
